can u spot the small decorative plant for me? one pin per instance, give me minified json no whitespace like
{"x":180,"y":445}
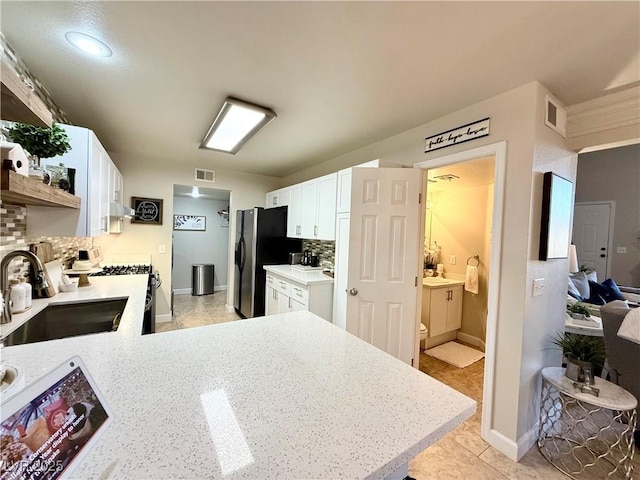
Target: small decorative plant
{"x":581,"y":347}
{"x":42,"y":142}
{"x":578,"y":308}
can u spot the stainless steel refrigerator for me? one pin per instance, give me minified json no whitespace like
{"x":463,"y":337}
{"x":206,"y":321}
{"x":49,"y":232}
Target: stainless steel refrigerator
{"x":261,"y":239}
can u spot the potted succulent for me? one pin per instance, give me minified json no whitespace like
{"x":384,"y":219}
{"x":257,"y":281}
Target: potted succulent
{"x":583,"y":353}
{"x":578,"y":310}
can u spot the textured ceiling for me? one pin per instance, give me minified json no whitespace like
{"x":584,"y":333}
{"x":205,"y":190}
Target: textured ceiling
{"x":340,"y":75}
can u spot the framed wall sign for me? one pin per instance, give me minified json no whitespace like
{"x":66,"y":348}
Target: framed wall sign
{"x":555,"y":225}
{"x":147,"y":210}
{"x":196,"y":223}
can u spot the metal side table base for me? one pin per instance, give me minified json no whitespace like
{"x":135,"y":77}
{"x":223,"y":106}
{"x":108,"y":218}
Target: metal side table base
{"x":584,"y":436}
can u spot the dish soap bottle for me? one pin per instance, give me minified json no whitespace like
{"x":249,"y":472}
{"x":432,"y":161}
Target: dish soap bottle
{"x":17,"y":296}
{"x":28,"y":290}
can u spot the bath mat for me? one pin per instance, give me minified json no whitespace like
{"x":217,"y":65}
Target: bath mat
{"x":456,"y":354}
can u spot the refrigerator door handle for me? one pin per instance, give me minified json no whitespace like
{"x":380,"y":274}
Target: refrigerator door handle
{"x":242,"y":253}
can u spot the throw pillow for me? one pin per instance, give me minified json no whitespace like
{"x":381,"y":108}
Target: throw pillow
{"x":592,"y":275}
{"x":616,"y":294}
{"x":595,"y":299}
{"x":604,"y":291}
{"x":581,"y":282}
{"x":573,"y":291}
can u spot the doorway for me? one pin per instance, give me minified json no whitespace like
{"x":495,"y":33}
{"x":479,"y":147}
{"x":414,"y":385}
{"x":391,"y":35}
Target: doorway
{"x":593,"y":234}
{"x":201,"y":235}
{"x":497,"y":152}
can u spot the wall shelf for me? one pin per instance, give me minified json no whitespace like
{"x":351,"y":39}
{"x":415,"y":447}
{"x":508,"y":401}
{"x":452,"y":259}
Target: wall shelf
{"x":22,"y":190}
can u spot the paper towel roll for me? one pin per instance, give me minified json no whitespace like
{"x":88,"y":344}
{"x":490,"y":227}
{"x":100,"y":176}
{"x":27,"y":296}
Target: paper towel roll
{"x":440,"y":268}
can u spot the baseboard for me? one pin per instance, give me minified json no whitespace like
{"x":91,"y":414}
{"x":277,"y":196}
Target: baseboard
{"x":187,"y":291}
{"x":163,"y":318}
{"x":230,"y":308}
{"x":513,"y":450}
{"x":471,"y":340}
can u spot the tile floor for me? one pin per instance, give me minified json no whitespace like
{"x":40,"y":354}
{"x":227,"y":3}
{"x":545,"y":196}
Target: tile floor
{"x":462,"y":454}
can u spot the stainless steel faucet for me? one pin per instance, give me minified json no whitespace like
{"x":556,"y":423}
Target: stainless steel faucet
{"x":40,"y":284}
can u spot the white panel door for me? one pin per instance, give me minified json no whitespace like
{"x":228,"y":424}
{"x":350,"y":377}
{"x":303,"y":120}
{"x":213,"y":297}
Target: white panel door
{"x":591,"y":223}
{"x":383,"y":259}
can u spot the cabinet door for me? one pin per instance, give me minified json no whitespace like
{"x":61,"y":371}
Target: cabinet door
{"x":296,"y":306}
{"x":454,"y":308}
{"x":271,"y":301}
{"x":293,"y":212}
{"x":308,"y":208}
{"x":284,"y":303}
{"x":438,"y":311}
{"x":343,"y":194}
{"x":325,"y":228}
{"x":97,"y":215}
{"x":116,"y":185}
{"x":340,"y":270}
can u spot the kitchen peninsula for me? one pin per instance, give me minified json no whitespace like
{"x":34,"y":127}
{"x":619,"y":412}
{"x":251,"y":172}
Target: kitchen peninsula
{"x":284,"y":396}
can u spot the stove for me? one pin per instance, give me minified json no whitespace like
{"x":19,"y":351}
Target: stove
{"x":149,"y":323}
{"x":124,"y":270}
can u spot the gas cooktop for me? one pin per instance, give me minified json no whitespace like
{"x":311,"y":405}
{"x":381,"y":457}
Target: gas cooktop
{"x":124,"y":270}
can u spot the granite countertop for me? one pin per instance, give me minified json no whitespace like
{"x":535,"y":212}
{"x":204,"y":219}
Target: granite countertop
{"x":286,"y":396}
{"x":303,"y":277}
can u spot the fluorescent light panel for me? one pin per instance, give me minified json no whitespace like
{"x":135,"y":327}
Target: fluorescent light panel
{"x":235,"y":124}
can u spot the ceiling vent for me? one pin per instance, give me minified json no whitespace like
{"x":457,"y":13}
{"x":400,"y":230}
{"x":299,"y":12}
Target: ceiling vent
{"x":203,"y":175}
{"x":556,"y":116}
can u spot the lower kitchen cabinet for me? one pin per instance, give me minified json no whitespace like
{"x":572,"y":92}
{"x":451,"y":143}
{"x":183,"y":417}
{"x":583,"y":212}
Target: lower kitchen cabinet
{"x":442,"y":309}
{"x":284,"y":295}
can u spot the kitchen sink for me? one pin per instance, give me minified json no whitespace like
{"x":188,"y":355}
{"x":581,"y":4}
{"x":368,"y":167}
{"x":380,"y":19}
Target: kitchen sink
{"x":69,"y":320}
{"x":435,"y":281}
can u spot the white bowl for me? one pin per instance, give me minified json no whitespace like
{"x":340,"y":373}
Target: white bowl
{"x":68,"y":287}
{"x":12,"y":381}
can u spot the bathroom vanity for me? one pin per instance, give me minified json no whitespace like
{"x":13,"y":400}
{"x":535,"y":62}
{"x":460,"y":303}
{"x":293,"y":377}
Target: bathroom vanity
{"x":441,"y":305}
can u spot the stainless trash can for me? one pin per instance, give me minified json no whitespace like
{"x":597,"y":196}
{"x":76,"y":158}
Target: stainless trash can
{"x":202,"y":279}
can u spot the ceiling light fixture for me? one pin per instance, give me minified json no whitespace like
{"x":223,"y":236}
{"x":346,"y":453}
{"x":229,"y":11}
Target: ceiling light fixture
{"x":88,"y":44}
{"x":195,"y":192}
{"x":235,"y":124}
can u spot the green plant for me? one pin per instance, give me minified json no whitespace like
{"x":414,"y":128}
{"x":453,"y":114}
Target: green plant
{"x":582,"y":347}
{"x":578,"y":307}
{"x":43,"y":142}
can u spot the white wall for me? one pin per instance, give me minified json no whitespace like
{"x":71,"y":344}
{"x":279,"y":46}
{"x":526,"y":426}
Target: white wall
{"x":193,"y":247}
{"x":146,"y":177}
{"x":517,"y":118}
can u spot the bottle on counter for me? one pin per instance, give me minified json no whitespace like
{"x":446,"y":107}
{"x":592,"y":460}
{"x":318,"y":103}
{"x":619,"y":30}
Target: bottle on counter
{"x":28,"y":291}
{"x":17,"y":296}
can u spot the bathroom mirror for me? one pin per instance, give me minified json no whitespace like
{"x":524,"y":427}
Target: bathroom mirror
{"x":555,"y":227}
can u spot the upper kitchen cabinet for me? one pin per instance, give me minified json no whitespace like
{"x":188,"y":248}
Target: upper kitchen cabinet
{"x":312,"y":209}
{"x":278,"y":198}
{"x":96,"y":183}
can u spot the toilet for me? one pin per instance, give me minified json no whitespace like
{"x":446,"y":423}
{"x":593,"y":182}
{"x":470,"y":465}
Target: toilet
{"x":423,"y":334}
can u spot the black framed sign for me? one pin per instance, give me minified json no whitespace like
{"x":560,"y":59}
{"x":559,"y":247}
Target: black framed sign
{"x":147,"y":210}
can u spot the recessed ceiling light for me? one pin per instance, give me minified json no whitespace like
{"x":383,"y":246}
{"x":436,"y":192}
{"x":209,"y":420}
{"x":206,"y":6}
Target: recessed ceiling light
{"x":88,"y":44}
{"x":235,"y":124}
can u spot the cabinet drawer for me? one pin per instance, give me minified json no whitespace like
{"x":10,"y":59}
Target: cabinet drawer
{"x":299,"y":292}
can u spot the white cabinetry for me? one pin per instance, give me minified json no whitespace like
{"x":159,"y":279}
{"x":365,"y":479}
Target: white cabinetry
{"x":94,"y":184}
{"x":278,"y":198}
{"x":442,"y":309}
{"x":284,"y":295}
{"x":312,"y":209}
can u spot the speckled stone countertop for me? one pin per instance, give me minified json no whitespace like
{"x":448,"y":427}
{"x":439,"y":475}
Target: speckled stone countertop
{"x":300,"y":276}
{"x":286,"y":396}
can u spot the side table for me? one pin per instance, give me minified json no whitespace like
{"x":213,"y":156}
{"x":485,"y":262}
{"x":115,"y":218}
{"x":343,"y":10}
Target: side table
{"x":582,"y":435}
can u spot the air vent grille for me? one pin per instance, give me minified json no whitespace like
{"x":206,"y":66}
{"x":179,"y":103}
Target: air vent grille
{"x":203,"y":175}
{"x":556,"y":116}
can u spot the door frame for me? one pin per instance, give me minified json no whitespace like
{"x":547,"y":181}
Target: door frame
{"x":612,"y":219}
{"x":499,"y":152}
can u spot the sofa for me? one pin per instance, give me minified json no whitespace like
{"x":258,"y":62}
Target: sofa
{"x":584,"y":287}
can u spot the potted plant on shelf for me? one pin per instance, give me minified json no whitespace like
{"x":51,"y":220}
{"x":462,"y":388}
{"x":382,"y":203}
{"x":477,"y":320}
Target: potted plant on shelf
{"x":40,"y":142}
{"x":578,"y":310}
{"x":583,"y":354}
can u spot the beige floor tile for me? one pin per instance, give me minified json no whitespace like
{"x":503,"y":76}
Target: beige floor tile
{"x":462,"y":381}
{"x":429,"y":364}
{"x":447,"y":460}
{"x":226,"y":317}
{"x":195,"y":320}
{"x":166,"y":326}
{"x":468,"y":434}
{"x":533,"y":466}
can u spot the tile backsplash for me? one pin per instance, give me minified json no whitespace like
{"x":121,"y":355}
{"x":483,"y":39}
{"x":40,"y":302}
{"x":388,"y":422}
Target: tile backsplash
{"x":13,"y":236}
{"x":326,"y":250}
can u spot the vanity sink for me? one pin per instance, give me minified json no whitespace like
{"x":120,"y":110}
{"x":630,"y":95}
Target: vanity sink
{"x":69,"y":320}
{"x":437,"y":281}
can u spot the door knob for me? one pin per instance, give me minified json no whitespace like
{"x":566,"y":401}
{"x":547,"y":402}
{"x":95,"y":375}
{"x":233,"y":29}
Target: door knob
{"x":353,"y":291}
